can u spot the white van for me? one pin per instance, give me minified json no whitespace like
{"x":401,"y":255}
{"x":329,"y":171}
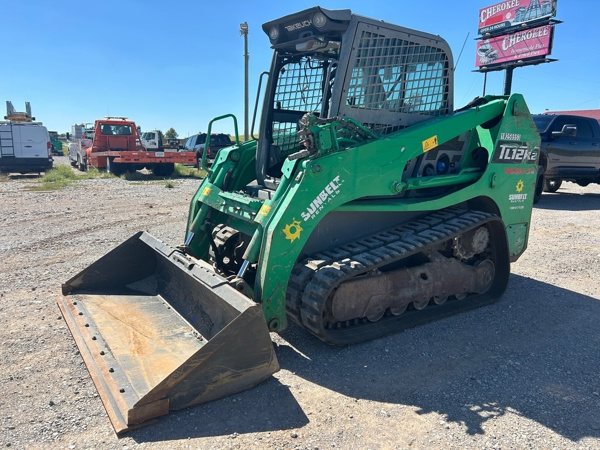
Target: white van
{"x":24,"y":147}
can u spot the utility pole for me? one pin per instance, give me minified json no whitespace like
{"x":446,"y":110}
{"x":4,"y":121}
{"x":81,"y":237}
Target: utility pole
{"x":244,"y":32}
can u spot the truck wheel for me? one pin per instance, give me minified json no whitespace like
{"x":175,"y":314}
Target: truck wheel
{"x":539,"y":184}
{"x":81,"y":164}
{"x":115,"y":168}
{"x":552,"y":185}
{"x":164,"y":170}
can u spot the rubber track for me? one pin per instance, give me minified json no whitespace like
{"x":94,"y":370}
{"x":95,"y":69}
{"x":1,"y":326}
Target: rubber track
{"x":313,"y":281}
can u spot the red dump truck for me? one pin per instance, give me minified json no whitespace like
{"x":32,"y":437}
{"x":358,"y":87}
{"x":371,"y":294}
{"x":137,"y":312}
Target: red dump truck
{"x":116,"y":147}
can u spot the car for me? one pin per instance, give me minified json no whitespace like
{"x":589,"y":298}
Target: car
{"x":197,"y":142}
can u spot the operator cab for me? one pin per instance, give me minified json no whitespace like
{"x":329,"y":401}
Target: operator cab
{"x":333,"y":63}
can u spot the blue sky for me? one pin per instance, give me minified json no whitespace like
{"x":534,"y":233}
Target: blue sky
{"x":179,"y":64}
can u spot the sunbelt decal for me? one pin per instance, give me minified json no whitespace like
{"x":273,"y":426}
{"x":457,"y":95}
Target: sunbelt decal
{"x":329,"y":192}
{"x":518,"y":197}
{"x":516,"y":153}
{"x":292,"y":230}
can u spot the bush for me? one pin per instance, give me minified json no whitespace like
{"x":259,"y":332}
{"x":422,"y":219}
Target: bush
{"x":62,"y":176}
{"x":59,"y":173}
{"x":188,"y":172}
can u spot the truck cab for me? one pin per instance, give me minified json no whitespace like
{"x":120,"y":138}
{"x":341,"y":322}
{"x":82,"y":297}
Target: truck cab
{"x":115,"y":133}
{"x":153,"y":140}
{"x":56,"y":143}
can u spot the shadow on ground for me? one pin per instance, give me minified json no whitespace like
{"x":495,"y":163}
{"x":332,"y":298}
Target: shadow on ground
{"x":268,"y":407}
{"x":22,"y":176}
{"x":534,"y":353}
{"x":541,"y":363}
{"x":569,"y":201}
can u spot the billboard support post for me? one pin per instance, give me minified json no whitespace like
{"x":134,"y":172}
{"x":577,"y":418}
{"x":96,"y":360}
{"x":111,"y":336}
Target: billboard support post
{"x":484,"y":82}
{"x":508,"y":76}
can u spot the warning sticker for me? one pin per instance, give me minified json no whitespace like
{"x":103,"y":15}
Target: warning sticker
{"x":430,"y":143}
{"x":264,"y":210}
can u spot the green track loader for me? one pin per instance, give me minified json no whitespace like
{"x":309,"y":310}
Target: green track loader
{"x":367,"y":205}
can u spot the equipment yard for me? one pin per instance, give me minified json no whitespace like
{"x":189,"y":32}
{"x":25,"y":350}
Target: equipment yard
{"x":520,"y":373}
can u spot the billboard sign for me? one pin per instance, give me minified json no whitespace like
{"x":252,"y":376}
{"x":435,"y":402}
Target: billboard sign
{"x":526,"y":44}
{"x":502,"y":17}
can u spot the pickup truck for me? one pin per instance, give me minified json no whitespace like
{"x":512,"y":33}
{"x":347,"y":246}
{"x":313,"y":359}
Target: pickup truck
{"x":570,"y":150}
{"x":197,"y":142}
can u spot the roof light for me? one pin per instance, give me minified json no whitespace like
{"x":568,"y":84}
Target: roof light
{"x":319,"y":20}
{"x":273,"y":33}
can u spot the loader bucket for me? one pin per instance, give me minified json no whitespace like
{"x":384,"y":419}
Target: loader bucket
{"x":159,"y":331}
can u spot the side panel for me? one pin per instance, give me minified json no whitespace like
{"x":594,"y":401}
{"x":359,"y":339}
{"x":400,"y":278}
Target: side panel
{"x":34,"y":142}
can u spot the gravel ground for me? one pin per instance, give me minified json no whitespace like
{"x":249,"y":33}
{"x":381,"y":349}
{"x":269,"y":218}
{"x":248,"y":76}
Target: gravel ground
{"x":522,"y":373}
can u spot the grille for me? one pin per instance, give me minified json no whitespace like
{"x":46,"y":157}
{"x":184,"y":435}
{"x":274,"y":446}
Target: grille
{"x":300,"y":89}
{"x":399,"y":76}
{"x":299,"y":86}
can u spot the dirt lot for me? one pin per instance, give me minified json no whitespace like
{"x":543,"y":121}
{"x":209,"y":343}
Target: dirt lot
{"x":522,"y":373}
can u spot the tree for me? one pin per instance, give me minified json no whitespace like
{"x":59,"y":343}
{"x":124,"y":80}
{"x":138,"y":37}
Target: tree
{"x":171,"y":133}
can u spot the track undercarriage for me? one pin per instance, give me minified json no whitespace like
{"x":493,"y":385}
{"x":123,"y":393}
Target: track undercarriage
{"x":441,"y":264}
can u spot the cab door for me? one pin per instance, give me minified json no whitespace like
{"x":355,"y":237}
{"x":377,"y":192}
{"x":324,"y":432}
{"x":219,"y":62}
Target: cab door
{"x":587,"y":143}
{"x":568,"y":151}
{"x":590,"y":141}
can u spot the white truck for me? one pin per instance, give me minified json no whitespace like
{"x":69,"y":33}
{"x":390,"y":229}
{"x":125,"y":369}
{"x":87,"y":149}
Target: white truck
{"x":25,"y":145}
{"x":80,"y":138}
{"x":155,"y":141}
{"x":152,"y":140}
